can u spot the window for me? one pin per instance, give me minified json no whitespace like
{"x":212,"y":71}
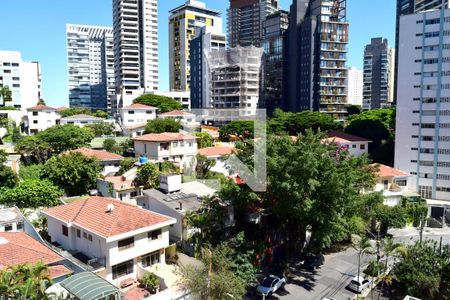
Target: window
{"x":154,"y":235}
{"x":65,"y":230}
{"x":8,"y":227}
{"x":123,"y":269}
{"x":19,"y":226}
{"x":35,"y":121}
{"x":78,"y":233}
{"x":85,"y":235}
{"x":362,"y":147}
{"x":150,"y":259}
{"x":131,"y":112}
{"x":126,"y":244}
{"x":90,"y":238}
{"x":35,"y":113}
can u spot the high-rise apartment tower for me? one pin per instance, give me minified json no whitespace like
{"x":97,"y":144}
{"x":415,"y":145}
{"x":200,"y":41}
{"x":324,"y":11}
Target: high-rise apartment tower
{"x":355,"y":87}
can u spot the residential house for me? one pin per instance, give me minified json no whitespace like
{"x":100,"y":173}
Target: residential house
{"x":217,"y":154}
{"x":186,"y":118}
{"x":41,"y":117}
{"x":356,"y":146}
{"x":122,"y":240}
{"x":18,"y":248}
{"x":393,"y":183}
{"x":136,"y":114}
{"x":167,"y":146}
{"x":81,"y":120}
{"x":123,"y":188}
{"x":134,"y":130}
{"x":11,"y":220}
{"x":109,"y":162}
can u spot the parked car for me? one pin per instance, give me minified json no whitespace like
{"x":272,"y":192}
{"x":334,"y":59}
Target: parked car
{"x":270,"y":285}
{"x":359,"y":284}
{"x":313,"y":261}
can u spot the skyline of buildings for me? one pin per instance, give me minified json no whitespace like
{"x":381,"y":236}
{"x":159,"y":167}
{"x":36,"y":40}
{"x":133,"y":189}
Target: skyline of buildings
{"x":90,"y":63}
{"x":184,"y":21}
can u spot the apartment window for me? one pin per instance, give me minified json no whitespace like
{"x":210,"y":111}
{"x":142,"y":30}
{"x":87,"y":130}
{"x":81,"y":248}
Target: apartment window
{"x":131,"y":112}
{"x":154,"y":235}
{"x":123,"y":269}
{"x":126,"y":244}
{"x":151,"y":259}
{"x":78,"y":233}
{"x":425,"y":191}
{"x":65,"y":230}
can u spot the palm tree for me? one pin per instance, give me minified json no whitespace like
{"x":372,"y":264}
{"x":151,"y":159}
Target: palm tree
{"x":362,"y":245}
{"x":390,"y":248}
{"x":5,"y":94}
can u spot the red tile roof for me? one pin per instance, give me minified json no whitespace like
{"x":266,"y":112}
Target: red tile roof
{"x":99,"y":154}
{"x":341,"y":136}
{"x":136,"y":126}
{"x":139,"y":106}
{"x":120,"y":182}
{"x":19,"y":248}
{"x":386,"y":171}
{"x":176,"y":113}
{"x":58,"y":271}
{"x":41,"y":107}
{"x":164,"y":137}
{"x":215,"y":151}
{"x":92,"y":215}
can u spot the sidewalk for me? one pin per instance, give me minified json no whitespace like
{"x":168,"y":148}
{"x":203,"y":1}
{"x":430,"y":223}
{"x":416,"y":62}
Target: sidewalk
{"x":413,"y":231}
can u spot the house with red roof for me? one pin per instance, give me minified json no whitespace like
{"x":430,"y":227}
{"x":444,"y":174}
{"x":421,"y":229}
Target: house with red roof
{"x":392,"y":182}
{"x":218,"y":154}
{"x":120,"y":239}
{"x":41,"y":117}
{"x":123,"y":188}
{"x":176,"y":147}
{"x":137,"y":114}
{"x":17,"y":248}
{"x":109,"y":162}
{"x":356,"y":146}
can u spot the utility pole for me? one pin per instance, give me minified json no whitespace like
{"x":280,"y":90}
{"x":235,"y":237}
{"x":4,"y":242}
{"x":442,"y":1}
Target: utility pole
{"x":422,"y":225}
{"x":378,"y":247}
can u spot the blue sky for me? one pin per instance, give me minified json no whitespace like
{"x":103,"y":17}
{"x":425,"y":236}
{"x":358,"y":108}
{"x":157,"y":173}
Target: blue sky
{"x":37,"y":29}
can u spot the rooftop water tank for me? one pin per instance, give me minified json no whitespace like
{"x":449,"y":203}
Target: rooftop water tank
{"x":143,"y":159}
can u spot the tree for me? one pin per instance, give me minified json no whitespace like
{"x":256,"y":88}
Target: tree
{"x":161,"y":125}
{"x":167,"y":167}
{"x":204,"y":140}
{"x":203,"y":166}
{"x":41,"y":101}
{"x":32,"y":193}
{"x":102,"y":128}
{"x":25,"y":281}
{"x":73,"y":172}
{"x":127,"y":164}
{"x":67,"y":112}
{"x":8,"y":178}
{"x":62,"y":138}
{"x":164,"y":104}
{"x":215,"y":279}
{"x":241,"y":129}
{"x":101,"y":114}
{"x":422,"y":271}
{"x":31,"y":172}
{"x":148,"y":176}
{"x":34,"y":149}
{"x":111,"y":145}
{"x":353,"y":110}
{"x":362,"y":245}
{"x":16,"y":135}
{"x":5,"y":94}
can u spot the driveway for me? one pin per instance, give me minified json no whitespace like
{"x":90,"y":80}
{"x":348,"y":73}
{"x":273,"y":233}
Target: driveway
{"x":330,"y":280}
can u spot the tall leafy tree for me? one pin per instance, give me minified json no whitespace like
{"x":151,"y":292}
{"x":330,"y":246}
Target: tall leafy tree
{"x":34,"y":149}
{"x":5,"y":94}
{"x":32,"y":194}
{"x":73,"y":172}
{"x":204,"y":140}
{"x":102,"y":128}
{"x":8,"y":178}
{"x":161,"y":125}
{"x":164,"y":104}
{"x":241,"y":129}
{"x":148,"y":176}
{"x":126,"y":164}
{"x":62,"y":138}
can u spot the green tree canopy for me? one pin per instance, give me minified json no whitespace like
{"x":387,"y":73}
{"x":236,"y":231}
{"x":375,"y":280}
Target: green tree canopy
{"x":241,"y":129}
{"x":353,"y":110}
{"x":160,"y":125}
{"x":30,"y":172}
{"x":111,"y":145}
{"x":32,"y":194}
{"x":82,"y":111}
{"x":148,"y":176}
{"x":34,"y":149}
{"x":126,"y":164}
{"x":163,"y":103}
{"x":100,"y":129}
{"x":204,"y":140}
{"x":5,"y":94}
{"x":295,"y":123}
{"x":8,"y":178}
{"x":73,"y":172}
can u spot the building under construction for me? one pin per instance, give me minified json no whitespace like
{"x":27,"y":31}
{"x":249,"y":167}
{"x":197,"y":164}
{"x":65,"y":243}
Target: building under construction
{"x":234,"y":79}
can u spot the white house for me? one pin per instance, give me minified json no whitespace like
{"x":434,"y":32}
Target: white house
{"x":41,"y":117}
{"x":109,"y":162}
{"x":11,"y":220}
{"x":81,"y":120}
{"x":123,"y":188}
{"x":186,"y":118}
{"x":356,"y":146}
{"x":136,"y":114}
{"x":167,"y":146}
{"x":123,"y":239}
{"x":216,"y":154}
{"x":393,"y":183}
{"x":134,"y":130}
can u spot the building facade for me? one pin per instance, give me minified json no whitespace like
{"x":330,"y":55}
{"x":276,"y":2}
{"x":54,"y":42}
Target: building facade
{"x":423,"y":106}
{"x":204,"y":42}
{"x":90,"y":56}
{"x":22,"y":78}
{"x":355,"y":87}
{"x":235,"y":79}
{"x":317,"y":55}
{"x":378,"y":85}
{"x":183,"y":23}
{"x":274,"y":44}
{"x":135,"y":24}
{"x":246,"y":19}
{"x":41,"y":117}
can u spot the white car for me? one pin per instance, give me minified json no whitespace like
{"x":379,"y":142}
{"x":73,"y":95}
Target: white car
{"x":359,"y":284}
{"x":270,"y":285}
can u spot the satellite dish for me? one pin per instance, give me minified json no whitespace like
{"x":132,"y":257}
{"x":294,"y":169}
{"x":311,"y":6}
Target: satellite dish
{"x":110,"y":208}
